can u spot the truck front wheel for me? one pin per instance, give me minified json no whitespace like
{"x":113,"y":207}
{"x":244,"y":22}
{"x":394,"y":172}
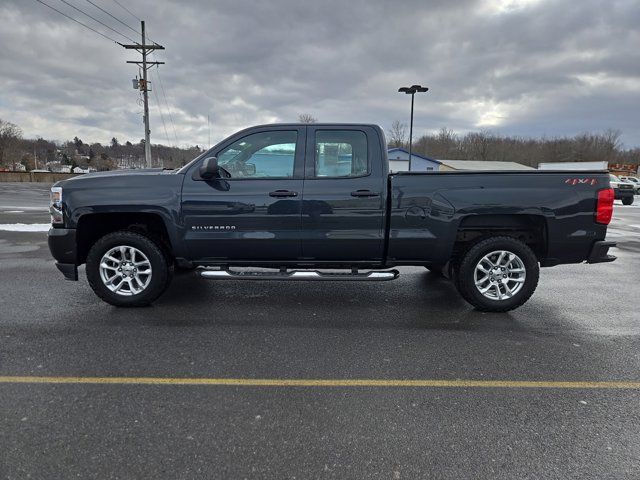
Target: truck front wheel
{"x":627,"y":200}
{"x":497,"y":274}
{"x":127,"y":269}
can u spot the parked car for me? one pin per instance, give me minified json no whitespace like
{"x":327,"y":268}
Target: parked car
{"x":634,"y":181}
{"x":624,"y":191}
{"x":300,"y":198}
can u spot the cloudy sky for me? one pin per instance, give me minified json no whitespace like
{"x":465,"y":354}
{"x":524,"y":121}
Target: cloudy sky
{"x":523,"y":67}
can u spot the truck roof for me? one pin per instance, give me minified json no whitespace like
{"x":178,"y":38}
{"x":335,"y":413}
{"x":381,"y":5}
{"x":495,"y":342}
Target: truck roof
{"x":299,"y":124}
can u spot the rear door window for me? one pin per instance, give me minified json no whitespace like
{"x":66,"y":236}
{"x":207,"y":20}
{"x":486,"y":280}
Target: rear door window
{"x":341,"y":153}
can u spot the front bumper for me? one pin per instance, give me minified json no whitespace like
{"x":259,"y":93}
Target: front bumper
{"x":62,"y":245}
{"x":599,"y":252}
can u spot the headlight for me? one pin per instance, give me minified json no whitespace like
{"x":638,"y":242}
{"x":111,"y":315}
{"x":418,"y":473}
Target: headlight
{"x":55,"y":207}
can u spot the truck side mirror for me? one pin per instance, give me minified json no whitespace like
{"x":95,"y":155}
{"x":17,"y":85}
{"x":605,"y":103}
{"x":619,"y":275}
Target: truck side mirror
{"x":209,"y":168}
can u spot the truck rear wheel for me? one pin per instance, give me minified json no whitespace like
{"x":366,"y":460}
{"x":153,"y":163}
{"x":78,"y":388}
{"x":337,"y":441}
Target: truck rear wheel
{"x":497,"y":274}
{"x":127,"y":269}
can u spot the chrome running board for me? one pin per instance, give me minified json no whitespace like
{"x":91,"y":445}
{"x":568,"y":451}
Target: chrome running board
{"x":313,"y":275}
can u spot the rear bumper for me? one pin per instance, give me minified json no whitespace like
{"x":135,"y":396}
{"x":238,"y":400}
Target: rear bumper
{"x":599,"y":252}
{"x":62,"y":245}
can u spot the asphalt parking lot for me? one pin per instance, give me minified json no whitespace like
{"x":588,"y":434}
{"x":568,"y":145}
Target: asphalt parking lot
{"x":79,"y":395}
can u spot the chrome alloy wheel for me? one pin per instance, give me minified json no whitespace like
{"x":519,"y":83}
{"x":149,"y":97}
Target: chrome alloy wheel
{"x":125,"y":270}
{"x":499,"y":275}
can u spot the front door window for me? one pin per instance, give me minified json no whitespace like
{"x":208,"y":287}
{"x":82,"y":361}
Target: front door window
{"x":261,"y":155}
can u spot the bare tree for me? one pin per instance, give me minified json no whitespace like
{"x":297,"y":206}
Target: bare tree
{"x":445,"y":144}
{"x":397,"y":134}
{"x":307,"y":118}
{"x":10,"y":135}
{"x":477,"y":145}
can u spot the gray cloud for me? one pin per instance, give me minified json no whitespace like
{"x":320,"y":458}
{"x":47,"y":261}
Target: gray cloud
{"x":525,"y":67}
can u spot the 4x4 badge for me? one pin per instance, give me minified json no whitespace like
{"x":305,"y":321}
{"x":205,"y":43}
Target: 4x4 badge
{"x":584,"y":181}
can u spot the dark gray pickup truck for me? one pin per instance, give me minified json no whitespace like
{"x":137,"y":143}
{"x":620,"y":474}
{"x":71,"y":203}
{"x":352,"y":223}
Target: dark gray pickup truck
{"x":307,"y":200}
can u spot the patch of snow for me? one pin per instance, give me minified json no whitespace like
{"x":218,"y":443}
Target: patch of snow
{"x":25,"y":227}
{"x":619,"y":203}
{"x":22,"y":207}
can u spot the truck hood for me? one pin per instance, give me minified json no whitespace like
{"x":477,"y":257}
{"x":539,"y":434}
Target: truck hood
{"x":120,"y":174}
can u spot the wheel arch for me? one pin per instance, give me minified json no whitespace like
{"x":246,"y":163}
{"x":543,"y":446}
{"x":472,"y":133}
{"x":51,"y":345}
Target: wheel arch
{"x":531,"y":229}
{"x":93,"y":226}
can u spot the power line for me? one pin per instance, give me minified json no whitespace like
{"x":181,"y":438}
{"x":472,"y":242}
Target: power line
{"x":130,"y":13}
{"x":79,"y":22}
{"x":127,"y":10}
{"x":115,"y":18}
{"x":173,"y":126}
{"x":164,"y":125}
{"x":96,"y":20}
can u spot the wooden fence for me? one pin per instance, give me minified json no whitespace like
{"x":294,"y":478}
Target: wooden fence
{"x":44,"y":177}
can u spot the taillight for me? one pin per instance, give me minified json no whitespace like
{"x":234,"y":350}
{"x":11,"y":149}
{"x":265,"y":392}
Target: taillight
{"x":604,"y":207}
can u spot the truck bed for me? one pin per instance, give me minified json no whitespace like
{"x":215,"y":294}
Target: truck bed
{"x":428,"y":211}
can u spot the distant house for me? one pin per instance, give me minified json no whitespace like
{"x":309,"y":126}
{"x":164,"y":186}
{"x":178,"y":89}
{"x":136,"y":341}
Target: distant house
{"x":399,"y":161}
{"x":83,"y":170}
{"x":448,"y":165}
{"x":57,"y":167}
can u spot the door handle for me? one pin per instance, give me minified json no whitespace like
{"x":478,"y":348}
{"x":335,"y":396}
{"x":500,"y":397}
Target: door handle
{"x":364,"y":193}
{"x":283,"y":193}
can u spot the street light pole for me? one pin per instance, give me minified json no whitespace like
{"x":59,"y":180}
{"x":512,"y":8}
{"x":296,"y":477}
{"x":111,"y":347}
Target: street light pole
{"x":412,"y":90}
{"x":413,"y":94}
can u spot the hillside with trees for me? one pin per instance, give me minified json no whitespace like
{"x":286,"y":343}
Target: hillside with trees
{"x":16,"y":151}
{"x":486,"y":145}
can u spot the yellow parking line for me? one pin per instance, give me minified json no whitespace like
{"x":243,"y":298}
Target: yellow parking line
{"x":299,"y":382}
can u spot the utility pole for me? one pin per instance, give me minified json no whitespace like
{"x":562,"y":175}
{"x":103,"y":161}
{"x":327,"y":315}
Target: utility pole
{"x":143,"y":85}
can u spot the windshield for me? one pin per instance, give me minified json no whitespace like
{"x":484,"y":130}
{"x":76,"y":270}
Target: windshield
{"x":614,"y":178}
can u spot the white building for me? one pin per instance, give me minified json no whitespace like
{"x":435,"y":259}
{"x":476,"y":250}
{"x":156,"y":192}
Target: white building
{"x":57,"y":167}
{"x":448,"y":165}
{"x":83,"y":170}
{"x":573,"y":166}
{"x":399,"y":161}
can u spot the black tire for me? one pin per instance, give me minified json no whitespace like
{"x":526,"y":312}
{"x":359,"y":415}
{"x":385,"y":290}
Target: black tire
{"x":627,"y":200}
{"x":435,"y":269}
{"x":465,"y":274}
{"x":161,"y":275}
